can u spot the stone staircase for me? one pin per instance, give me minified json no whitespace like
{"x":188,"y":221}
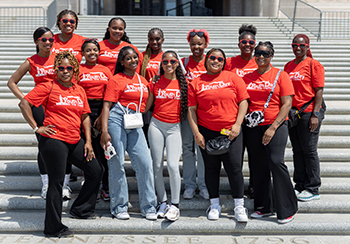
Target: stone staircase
{"x":22,"y":209}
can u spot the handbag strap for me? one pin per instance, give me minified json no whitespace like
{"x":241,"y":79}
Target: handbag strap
{"x":138,"y":108}
{"x":271,"y":92}
{"x":312,"y":99}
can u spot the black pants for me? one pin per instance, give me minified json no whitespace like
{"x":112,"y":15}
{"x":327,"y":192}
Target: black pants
{"x":96,"y":109}
{"x":232,"y":162}
{"x":305,"y":157}
{"x":55,"y":154}
{"x":267,"y":160}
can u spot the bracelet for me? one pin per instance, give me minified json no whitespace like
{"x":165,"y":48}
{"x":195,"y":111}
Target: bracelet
{"x":35,"y":129}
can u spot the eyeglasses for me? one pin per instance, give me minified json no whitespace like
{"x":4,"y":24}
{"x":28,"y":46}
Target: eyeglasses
{"x":44,"y":39}
{"x":166,"y":61}
{"x":65,"y":21}
{"x":62,"y":68}
{"x":258,"y":53}
{"x":199,"y":33}
{"x":301,"y":45}
{"x":250,"y":42}
{"x":213,"y":58}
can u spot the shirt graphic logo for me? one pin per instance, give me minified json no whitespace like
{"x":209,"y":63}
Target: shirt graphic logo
{"x":214,"y":86}
{"x":47,"y":70}
{"x":296,"y":76}
{"x":112,"y":54}
{"x":194,"y":74}
{"x":71,"y":101}
{"x":169,"y":94}
{"x":243,"y":72}
{"x":71,"y":50}
{"x":260,"y":85}
{"x":94,"y":76}
{"x":135,"y":88}
{"x":153,"y":65}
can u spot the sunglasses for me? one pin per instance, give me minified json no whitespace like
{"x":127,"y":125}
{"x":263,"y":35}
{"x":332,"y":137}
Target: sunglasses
{"x":250,"y":42}
{"x":258,"y":53}
{"x":65,"y":21}
{"x":301,"y":45}
{"x":62,"y":68}
{"x":199,"y":33}
{"x":166,"y":61}
{"x":213,"y":58}
{"x":44,"y":39}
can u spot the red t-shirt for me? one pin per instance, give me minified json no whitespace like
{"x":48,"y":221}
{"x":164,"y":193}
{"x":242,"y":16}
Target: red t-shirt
{"x":167,"y":100}
{"x":41,"y":68}
{"x":94,"y":78}
{"x":126,"y":89}
{"x":240,"y":66}
{"x":153,"y":65}
{"x":259,"y":87}
{"x":305,"y":77}
{"x":109,"y":54}
{"x":217,"y":98}
{"x":73,"y":45}
{"x":194,"y":69}
{"x":64,"y":109}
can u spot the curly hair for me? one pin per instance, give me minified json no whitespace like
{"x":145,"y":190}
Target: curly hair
{"x":267,"y":44}
{"x":210,"y":52}
{"x":124,"y":38}
{"x":72,"y":60}
{"x":246,"y":30}
{"x":122,"y":53}
{"x":64,"y":12}
{"x":183,"y":85}
{"x":38,"y":33}
{"x":148,"y":52}
{"x":206,"y":34}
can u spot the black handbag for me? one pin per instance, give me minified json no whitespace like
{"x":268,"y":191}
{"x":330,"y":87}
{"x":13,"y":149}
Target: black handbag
{"x":218,"y":145}
{"x":294,"y":114}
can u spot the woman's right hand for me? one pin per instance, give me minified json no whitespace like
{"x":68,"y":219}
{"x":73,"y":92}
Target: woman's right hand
{"x":105,"y":138}
{"x":200,"y":140}
{"x":47,"y":130}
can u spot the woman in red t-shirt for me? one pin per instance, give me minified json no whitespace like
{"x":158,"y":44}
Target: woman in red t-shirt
{"x":93,"y":78}
{"x":218,"y":101}
{"x":308,"y":78}
{"x":266,"y":142}
{"x":244,"y":63}
{"x":40,"y":66}
{"x":114,"y":40}
{"x":194,"y":65}
{"x":169,"y":96}
{"x":125,"y":90}
{"x":150,"y":61}
{"x":67,"y":22}
{"x":66,"y":111}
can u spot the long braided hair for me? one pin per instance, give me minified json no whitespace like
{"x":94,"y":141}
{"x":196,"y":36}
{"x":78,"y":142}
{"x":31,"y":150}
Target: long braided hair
{"x":183,"y":85}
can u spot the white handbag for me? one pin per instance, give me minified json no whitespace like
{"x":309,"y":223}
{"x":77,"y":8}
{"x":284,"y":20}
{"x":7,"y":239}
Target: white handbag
{"x":133,"y":120}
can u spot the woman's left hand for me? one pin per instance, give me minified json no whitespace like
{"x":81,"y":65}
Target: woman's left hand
{"x":97,"y":123}
{"x":313,"y":123}
{"x":235,"y":129}
{"x":88,"y":152}
{"x":269,"y":133}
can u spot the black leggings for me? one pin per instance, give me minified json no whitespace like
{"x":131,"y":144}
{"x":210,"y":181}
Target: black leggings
{"x":39,"y":116}
{"x":55,"y":154}
{"x":231,"y":160}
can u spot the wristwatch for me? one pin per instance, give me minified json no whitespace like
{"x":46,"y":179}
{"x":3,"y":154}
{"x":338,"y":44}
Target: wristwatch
{"x":316,"y":113}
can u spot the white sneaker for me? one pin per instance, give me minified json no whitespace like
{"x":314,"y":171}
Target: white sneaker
{"x":189,"y":193}
{"x":44,"y":191}
{"x":123,"y":215}
{"x":204,"y":193}
{"x":173,"y":213}
{"x":241,"y":214}
{"x":150,"y":216}
{"x":66,"y":192}
{"x":214,"y":211}
{"x":162,"y":209}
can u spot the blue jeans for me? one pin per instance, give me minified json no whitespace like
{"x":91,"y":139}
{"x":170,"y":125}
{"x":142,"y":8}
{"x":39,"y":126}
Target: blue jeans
{"x":134,"y":142}
{"x":189,"y":151}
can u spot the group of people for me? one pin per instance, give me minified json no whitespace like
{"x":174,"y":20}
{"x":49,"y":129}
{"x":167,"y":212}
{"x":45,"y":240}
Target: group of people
{"x":79,"y":109}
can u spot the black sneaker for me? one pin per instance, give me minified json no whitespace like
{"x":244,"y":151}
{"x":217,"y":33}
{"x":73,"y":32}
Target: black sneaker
{"x":64,"y":234}
{"x":91,"y":216}
{"x":73,"y":177}
{"x":105,"y":193}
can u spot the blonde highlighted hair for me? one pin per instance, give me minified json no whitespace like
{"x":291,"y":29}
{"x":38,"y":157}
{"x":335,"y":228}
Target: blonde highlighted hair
{"x":72,"y":60}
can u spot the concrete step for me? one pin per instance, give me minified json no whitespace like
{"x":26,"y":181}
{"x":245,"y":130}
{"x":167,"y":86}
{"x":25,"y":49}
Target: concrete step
{"x":190,"y":222}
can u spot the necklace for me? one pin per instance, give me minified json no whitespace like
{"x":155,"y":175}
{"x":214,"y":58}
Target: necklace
{"x":71,"y":84}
